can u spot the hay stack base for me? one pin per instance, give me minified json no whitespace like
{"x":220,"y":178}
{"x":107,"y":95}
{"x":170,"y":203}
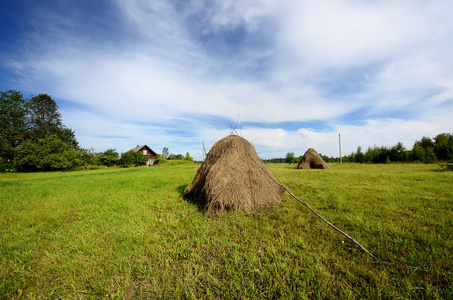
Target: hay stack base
{"x":312,"y":160}
{"x":233,"y":177}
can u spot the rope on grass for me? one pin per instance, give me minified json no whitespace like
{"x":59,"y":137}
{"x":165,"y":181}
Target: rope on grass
{"x":313,"y":211}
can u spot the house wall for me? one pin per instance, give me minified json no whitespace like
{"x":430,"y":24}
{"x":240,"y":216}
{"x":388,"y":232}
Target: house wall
{"x":150,"y":156}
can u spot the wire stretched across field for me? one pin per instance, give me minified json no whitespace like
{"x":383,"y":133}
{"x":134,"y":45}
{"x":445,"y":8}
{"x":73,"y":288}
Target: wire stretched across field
{"x":313,"y":211}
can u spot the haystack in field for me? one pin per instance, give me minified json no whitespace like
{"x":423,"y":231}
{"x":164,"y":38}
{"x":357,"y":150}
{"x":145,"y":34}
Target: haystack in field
{"x":233,"y":177}
{"x":312,"y":160}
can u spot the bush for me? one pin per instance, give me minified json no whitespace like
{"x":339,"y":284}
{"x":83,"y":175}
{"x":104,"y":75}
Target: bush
{"x":179,"y":162}
{"x":109,"y":158}
{"x":46,"y":154}
{"x":444,"y":146}
{"x":6,"y":167}
{"x":188,"y":157}
{"x":160,"y":161}
{"x":425,"y":155}
{"x":132,"y":158}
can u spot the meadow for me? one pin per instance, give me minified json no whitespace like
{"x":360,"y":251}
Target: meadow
{"x":128,"y":234}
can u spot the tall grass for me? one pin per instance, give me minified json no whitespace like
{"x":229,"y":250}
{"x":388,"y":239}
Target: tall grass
{"x":126,"y":233}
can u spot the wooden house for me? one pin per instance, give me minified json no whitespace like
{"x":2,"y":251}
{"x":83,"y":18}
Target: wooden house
{"x":148,"y":152}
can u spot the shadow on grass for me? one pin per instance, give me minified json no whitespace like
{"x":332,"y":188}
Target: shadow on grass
{"x":445,"y":167}
{"x":189,"y":198}
{"x":180,"y":189}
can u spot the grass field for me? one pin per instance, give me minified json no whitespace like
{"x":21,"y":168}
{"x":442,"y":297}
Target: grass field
{"x":127,"y":234}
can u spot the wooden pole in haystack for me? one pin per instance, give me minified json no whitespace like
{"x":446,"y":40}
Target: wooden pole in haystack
{"x":204,"y":150}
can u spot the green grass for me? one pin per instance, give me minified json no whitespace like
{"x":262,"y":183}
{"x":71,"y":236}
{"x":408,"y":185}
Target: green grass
{"x":127,"y":234}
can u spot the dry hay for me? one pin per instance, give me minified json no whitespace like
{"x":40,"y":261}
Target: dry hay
{"x":312,"y":160}
{"x":233,"y":177}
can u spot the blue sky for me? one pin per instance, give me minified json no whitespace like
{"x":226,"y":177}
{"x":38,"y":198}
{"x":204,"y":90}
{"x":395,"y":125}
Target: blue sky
{"x":176,"y":73}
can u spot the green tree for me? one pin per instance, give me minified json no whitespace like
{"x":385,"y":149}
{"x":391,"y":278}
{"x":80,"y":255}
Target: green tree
{"x":13,"y":123}
{"x":165,"y":153}
{"x":430,"y":156}
{"x":178,"y":157}
{"x":398,"y":152}
{"x":109,"y":157}
{"x":88,"y":156}
{"x":423,"y":150}
{"x":419,"y":153}
{"x":443,"y":146}
{"x":290,"y":158}
{"x":133,"y":158}
{"x":188,"y":157}
{"x":44,"y":117}
{"x":324,"y":158}
{"x":45,"y":120}
{"x":377,"y":154}
{"x":359,"y":157}
{"x":49,"y":153}
{"x":67,"y":135}
{"x":426,"y":142}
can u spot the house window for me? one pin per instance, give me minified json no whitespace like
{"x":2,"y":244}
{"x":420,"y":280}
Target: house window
{"x":145,"y":152}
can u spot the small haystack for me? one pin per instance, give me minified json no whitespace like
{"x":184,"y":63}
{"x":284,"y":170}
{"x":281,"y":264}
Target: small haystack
{"x":312,"y":160}
{"x":233,"y":177}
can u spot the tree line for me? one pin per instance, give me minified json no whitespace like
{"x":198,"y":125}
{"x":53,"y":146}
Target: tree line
{"x":34,"y":138}
{"x":426,"y":150}
{"x":166,"y":155}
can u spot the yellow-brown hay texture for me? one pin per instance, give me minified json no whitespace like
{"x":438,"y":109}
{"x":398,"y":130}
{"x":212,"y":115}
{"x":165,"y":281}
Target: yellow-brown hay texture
{"x":312,"y":160}
{"x":233,"y":177}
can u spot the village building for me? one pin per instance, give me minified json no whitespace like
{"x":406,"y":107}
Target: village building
{"x":148,"y":152}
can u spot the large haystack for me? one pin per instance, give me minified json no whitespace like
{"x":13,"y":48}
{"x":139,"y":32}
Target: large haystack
{"x":233,"y":177}
{"x":312,"y":160}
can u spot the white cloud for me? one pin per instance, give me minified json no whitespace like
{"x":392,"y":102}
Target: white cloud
{"x":386,"y":63}
{"x":351,"y":33}
{"x":138,"y":87}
